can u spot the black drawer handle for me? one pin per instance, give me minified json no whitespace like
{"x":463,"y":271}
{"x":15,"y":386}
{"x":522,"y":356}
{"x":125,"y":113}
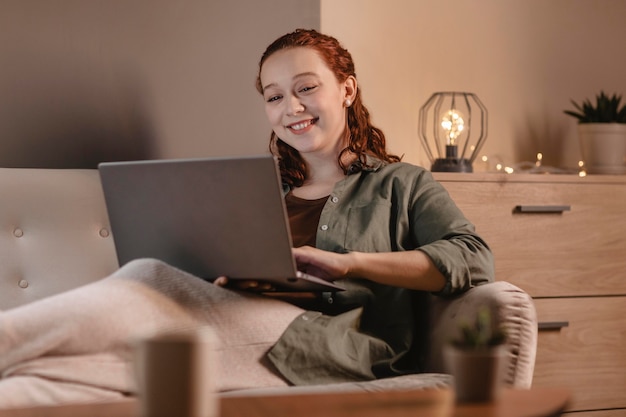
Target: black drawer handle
{"x":541,"y":209}
{"x":552,"y":325}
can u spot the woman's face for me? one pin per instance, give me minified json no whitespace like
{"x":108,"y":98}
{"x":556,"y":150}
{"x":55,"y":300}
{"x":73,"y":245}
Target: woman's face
{"x":304,"y":102}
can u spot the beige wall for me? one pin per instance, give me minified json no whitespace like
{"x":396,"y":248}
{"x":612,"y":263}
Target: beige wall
{"x":525,"y":59}
{"x":85,"y":80}
{"x":82,"y":81}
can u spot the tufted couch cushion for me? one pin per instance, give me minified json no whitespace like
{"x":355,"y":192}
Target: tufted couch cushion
{"x":54,"y":233}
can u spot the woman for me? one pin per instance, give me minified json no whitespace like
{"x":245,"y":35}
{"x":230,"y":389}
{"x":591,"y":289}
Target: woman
{"x":382,"y":227}
{"x":358,"y":215}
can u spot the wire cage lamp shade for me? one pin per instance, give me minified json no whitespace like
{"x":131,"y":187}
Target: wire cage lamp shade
{"x":452,"y":129}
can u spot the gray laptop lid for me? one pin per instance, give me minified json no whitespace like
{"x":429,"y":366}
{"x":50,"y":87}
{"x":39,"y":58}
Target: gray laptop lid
{"x":209,"y":217}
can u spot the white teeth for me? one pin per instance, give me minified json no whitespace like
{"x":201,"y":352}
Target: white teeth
{"x":300,"y":126}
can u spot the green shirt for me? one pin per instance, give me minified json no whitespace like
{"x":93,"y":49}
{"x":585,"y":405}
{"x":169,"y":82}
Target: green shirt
{"x":372,"y":330}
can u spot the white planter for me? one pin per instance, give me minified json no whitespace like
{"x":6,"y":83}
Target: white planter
{"x":478,"y":374}
{"x":603,"y":147}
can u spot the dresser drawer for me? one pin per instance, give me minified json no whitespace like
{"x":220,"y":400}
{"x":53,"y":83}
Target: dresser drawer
{"x":551,"y":239}
{"x":588,"y":356}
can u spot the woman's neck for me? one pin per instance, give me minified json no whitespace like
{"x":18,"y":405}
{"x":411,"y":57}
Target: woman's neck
{"x":322,"y":176}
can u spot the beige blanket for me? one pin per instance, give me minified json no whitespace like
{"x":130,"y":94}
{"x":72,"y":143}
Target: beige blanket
{"x":78,"y":346}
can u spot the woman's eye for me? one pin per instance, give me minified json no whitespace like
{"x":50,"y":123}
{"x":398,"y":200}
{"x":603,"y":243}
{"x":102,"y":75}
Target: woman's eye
{"x":307,"y":88}
{"x":273,"y":98}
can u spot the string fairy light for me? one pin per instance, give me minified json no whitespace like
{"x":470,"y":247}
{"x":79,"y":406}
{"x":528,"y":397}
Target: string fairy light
{"x":527,"y":167}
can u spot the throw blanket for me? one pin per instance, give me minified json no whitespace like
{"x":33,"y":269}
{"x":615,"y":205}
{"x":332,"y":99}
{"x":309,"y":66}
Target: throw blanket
{"x":78,"y":346}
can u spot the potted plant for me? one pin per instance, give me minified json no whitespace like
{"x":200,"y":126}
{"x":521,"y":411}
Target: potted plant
{"x":602,"y":133}
{"x":477,"y":358}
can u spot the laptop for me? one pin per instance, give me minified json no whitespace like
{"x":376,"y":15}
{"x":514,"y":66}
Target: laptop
{"x":210,"y":217}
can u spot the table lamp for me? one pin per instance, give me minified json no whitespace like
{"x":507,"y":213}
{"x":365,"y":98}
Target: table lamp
{"x":450,"y":122}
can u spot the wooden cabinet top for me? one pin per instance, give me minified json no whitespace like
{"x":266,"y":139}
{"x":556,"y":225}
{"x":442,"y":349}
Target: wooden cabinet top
{"x":528,"y":178}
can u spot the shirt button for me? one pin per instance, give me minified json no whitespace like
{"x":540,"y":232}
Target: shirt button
{"x":324,"y":227}
{"x":334,"y":199}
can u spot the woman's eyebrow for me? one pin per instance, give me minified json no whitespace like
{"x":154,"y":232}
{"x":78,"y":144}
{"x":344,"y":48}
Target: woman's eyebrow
{"x":295,"y":77}
{"x":305,"y":74}
{"x":265,"y":87}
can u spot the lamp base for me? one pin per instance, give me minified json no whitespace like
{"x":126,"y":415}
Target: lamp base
{"x":451,"y":165}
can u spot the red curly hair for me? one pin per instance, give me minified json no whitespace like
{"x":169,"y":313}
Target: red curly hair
{"x":362,"y":137}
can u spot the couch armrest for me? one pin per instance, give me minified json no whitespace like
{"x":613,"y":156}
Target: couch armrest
{"x":514,"y":310}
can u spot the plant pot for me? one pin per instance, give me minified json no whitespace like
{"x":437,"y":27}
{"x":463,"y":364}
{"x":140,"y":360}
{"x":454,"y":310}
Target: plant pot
{"x":478,"y":374}
{"x":603,"y":147}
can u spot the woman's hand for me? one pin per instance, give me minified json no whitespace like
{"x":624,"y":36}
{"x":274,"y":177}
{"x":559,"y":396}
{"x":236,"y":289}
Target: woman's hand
{"x":410,"y":269}
{"x":323,"y":264}
{"x":221,"y":281}
{"x":245,"y":285}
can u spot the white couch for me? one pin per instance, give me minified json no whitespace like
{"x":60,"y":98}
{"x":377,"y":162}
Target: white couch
{"x":54,"y":235}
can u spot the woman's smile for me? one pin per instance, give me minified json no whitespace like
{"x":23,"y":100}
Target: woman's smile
{"x":302,"y":126}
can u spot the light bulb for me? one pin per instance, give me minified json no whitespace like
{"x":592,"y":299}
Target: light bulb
{"x":453,"y":124}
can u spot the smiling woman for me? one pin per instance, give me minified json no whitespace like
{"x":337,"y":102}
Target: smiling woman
{"x":293,"y":93}
{"x":305,"y":104}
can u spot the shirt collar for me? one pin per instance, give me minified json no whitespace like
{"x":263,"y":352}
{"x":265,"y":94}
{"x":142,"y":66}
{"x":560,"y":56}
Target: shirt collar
{"x":372,"y":164}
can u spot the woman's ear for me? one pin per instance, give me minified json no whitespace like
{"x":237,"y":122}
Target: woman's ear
{"x":350,"y":88}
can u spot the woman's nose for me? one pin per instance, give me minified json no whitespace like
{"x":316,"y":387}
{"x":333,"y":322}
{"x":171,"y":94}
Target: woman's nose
{"x":295,"y":106}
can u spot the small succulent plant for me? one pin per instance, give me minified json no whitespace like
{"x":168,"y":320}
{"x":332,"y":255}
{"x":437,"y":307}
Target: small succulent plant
{"x":606,"y":110}
{"x":481,"y":333}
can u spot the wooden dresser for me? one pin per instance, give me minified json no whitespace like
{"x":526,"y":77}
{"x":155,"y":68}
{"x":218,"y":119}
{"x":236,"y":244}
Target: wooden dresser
{"x":562,"y":238}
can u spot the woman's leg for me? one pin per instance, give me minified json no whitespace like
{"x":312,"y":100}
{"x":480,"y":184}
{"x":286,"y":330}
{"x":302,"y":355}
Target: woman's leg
{"x":101,"y":316}
{"x":143,"y":297}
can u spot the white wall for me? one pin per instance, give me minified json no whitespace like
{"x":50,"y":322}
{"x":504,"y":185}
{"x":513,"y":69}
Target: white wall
{"x":525,"y":59}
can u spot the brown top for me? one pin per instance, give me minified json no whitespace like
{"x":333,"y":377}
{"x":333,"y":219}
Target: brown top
{"x":304,"y":216}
